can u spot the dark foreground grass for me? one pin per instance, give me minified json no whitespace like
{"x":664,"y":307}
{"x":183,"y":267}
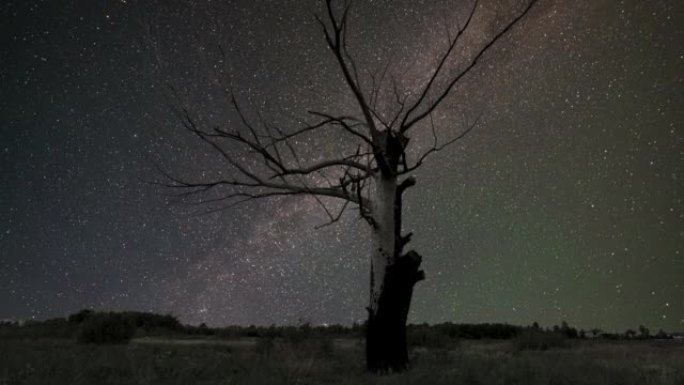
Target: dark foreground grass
{"x":324,"y":362}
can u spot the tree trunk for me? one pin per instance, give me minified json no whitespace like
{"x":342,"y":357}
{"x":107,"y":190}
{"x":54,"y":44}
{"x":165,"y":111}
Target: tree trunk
{"x":391,"y":283}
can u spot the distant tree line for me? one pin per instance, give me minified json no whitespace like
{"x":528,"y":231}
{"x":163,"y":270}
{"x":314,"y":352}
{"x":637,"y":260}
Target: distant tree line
{"x":88,"y":326}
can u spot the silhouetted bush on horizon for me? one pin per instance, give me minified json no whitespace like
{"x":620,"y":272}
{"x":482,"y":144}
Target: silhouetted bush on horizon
{"x":145,"y":324}
{"x":106,"y":328}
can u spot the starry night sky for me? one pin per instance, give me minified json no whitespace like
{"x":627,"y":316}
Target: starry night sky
{"x":565,"y":202}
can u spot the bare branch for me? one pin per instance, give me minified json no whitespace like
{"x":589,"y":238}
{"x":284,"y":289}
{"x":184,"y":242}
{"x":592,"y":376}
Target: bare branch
{"x":376,"y":86}
{"x":256,"y":181}
{"x":408,"y":123}
{"x":440,"y":65}
{"x":321,"y":165}
{"x":436,"y":148}
{"x":337,"y":45}
{"x":334,"y":219}
{"x":343,"y":121}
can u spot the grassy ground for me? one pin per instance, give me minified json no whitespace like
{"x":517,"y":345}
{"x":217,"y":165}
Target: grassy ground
{"x":335,"y":362}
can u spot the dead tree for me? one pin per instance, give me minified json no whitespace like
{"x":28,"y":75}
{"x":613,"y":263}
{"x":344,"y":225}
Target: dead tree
{"x":373,"y":176}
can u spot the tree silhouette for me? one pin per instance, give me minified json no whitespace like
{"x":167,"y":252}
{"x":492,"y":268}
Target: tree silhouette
{"x":372,"y":176}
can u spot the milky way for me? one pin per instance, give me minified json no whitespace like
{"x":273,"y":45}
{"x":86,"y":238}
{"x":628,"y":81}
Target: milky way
{"x":565,"y":202}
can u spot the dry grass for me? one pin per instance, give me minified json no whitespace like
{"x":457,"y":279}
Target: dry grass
{"x":337,"y":362}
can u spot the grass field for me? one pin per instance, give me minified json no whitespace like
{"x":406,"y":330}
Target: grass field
{"x":262,"y":361}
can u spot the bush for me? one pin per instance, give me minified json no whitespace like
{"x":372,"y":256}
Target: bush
{"x":154,"y":323}
{"x":532,"y":339}
{"x":106,"y":328}
{"x":430,"y":337}
{"x":81,"y":316}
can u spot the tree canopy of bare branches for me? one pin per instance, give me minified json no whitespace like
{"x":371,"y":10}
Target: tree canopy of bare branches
{"x":371,"y":176}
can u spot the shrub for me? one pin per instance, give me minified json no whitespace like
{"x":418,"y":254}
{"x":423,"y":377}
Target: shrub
{"x":106,"y":328}
{"x":429,"y":337}
{"x":81,"y":316}
{"x":532,"y":339}
{"x":151,"y":322}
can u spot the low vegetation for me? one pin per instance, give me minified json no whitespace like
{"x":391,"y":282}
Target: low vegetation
{"x":325,"y":361}
{"x":143,"y":348}
{"x":538,"y":340}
